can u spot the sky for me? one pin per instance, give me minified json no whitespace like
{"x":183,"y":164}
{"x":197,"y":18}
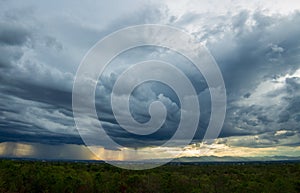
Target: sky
{"x":255,"y":44}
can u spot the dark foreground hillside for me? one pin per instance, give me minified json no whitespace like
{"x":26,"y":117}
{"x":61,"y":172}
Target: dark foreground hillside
{"x":29,"y":176}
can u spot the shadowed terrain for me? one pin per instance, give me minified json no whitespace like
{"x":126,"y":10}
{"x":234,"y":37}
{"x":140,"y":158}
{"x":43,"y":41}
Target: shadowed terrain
{"x":37,"y":176}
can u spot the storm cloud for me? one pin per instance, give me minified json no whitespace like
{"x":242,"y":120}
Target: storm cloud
{"x":257,"y":52}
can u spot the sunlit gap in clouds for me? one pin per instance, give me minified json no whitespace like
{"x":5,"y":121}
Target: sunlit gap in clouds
{"x":80,"y":152}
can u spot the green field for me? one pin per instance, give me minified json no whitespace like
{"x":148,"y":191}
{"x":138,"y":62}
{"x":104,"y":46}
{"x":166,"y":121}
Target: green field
{"x":35,"y":176}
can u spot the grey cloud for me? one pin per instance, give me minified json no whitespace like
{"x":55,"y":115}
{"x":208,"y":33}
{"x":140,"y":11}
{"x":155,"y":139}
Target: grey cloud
{"x":253,"y":49}
{"x":284,"y":116}
{"x":249,"y":54}
{"x":43,"y":61}
{"x":293,"y":84}
{"x":39,"y":58}
{"x":13,"y":36}
{"x":34,"y":121}
{"x":12,"y":33}
{"x":9,"y":55}
{"x":268,"y":139}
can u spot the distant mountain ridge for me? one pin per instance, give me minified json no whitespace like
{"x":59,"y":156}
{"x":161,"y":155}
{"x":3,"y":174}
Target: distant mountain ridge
{"x":234,"y":159}
{"x":204,"y":159}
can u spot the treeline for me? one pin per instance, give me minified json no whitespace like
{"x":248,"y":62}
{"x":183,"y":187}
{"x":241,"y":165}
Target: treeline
{"x":52,"y":177}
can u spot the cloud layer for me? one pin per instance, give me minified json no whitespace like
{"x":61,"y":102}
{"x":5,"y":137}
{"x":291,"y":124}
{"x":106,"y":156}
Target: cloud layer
{"x":257,"y":50}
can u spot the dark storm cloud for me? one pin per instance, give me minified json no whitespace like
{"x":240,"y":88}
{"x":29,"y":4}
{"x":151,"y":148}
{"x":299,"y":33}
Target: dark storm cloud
{"x":12,"y":37}
{"x":250,"y":48}
{"x":33,"y":121}
{"x":248,"y":53}
{"x":144,"y":95}
{"x":257,"y":53}
{"x":12,"y":33}
{"x":15,"y":34}
{"x":37,"y":83}
{"x":8,"y":55}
